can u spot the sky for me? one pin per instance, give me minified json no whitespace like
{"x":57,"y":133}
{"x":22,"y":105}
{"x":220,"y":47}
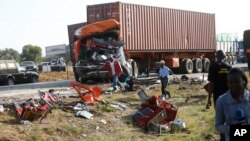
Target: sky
{"x":44,"y":22}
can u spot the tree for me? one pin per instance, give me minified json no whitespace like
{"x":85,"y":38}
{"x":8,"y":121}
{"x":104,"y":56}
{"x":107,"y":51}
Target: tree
{"x":9,"y":54}
{"x":31,"y":53}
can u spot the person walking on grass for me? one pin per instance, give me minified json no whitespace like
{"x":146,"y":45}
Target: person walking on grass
{"x":114,"y":71}
{"x":217,"y":77}
{"x":163,"y":74}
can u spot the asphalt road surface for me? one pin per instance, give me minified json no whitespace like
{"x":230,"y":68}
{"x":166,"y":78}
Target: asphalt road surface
{"x":66,"y":83}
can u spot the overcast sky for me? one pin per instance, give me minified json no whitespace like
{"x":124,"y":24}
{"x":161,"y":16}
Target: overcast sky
{"x":44,"y":22}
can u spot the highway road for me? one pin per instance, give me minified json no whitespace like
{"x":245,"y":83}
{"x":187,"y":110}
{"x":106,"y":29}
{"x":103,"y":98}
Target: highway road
{"x":34,"y":87}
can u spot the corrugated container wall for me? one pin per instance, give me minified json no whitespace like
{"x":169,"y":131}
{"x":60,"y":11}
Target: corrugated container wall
{"x":146,"y":28}
{"x":71,"y":30}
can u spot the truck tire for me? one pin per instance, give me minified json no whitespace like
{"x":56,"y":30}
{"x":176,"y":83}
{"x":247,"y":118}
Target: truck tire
{"x":234,"y":59}
{"x":227,"y":59}
{"x":197,"y":65}
{"x":205,"y":64}
{"x":10,"y":81}
{"x":64,"y":68}
{"x":135,"y":69}
{"x":187,"y":66}
{"x":230,"y":60}
{"x":34,"y":79}
{"x":82,"y":80}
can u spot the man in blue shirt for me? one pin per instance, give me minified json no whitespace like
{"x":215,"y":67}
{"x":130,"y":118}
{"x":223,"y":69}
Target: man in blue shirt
{"x":163,"y":74}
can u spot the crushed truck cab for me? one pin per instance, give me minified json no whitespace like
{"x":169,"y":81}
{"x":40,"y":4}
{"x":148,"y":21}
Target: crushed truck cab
{"x":93,"y":45}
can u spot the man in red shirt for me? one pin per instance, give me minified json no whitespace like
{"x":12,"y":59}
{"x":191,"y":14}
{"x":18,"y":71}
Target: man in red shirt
{"x":114,"y":70}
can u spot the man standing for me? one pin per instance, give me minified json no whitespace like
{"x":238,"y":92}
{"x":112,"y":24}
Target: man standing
{"x":163,"y":74}
{"x":217,"y":77}
{"x":114,"y":70}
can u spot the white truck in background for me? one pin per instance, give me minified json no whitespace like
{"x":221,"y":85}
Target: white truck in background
{"x":229,"y":43}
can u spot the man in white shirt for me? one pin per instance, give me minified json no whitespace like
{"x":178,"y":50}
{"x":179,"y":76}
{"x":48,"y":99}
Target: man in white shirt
{"x":163,"y":74}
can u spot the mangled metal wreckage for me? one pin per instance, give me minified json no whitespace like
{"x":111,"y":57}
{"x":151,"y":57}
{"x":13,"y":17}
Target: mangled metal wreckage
{"x":154,"y":113}
{"x":94,"y":44}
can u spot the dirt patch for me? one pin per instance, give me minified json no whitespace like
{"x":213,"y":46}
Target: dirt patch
{"x":55,"y":76}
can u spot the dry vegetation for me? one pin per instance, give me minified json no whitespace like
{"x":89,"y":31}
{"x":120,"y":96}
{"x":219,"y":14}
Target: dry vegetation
{"x":55,"y":76}
{"x":64,"y":126}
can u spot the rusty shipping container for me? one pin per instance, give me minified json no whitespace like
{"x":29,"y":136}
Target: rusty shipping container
{"x":71,"y":34}
{"x":147,"y":28}
{"x":71,"y":30}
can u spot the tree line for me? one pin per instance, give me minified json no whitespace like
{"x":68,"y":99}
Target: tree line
{"x":29,"y":53}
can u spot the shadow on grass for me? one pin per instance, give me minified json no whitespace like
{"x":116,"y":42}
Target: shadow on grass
{"x":128,"y":120}
{"x":127,"y":99}
{"x":192,"y":100}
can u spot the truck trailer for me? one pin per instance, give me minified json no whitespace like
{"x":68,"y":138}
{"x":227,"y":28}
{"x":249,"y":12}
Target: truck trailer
{"x":186,"y":40}
{"x":246,"y":43}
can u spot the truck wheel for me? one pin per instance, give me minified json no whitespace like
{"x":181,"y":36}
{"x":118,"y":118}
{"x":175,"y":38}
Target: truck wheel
{"x":34,"y":79}
{"x":227,"y":59}
{"x":205,"y":64}
{"x":135,"y":69}
{"x":187,"y":66}
{"x":10,"y":81}
{"x":231,"y":59}
{"x":197,"y":65}
{"x":234,"y":59}
{"x":82,"y":80}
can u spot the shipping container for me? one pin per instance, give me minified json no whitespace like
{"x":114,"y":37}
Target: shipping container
{"x":182,"y":38}
{"x":158,"y":29}
{"x":71,"y":34}
{"x":71,"y":30}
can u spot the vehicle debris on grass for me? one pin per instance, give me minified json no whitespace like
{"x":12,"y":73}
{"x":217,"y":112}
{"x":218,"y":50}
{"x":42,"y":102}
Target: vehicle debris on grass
{"x":32,"y":109}
{"x":154,"y":113}
{"x":50,"y":96}
{"x":119,"y":106}
{"x":85,"y":114}
{"x":87,"y":95}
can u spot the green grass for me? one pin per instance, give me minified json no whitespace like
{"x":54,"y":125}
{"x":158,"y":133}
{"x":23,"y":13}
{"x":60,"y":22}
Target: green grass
{"x":65,"y":126}
{"x":199,"y":121}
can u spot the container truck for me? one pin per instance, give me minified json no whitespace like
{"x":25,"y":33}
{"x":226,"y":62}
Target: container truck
{"x":186,"y":40}
{"x":229,"y":43}
{"x":246,"y":43}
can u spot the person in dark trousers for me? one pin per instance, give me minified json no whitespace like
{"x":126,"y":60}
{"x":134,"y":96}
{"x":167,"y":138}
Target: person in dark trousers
{"x":163,"y":74}
{"x":217,"y":77}
{"x":233,"y":107}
